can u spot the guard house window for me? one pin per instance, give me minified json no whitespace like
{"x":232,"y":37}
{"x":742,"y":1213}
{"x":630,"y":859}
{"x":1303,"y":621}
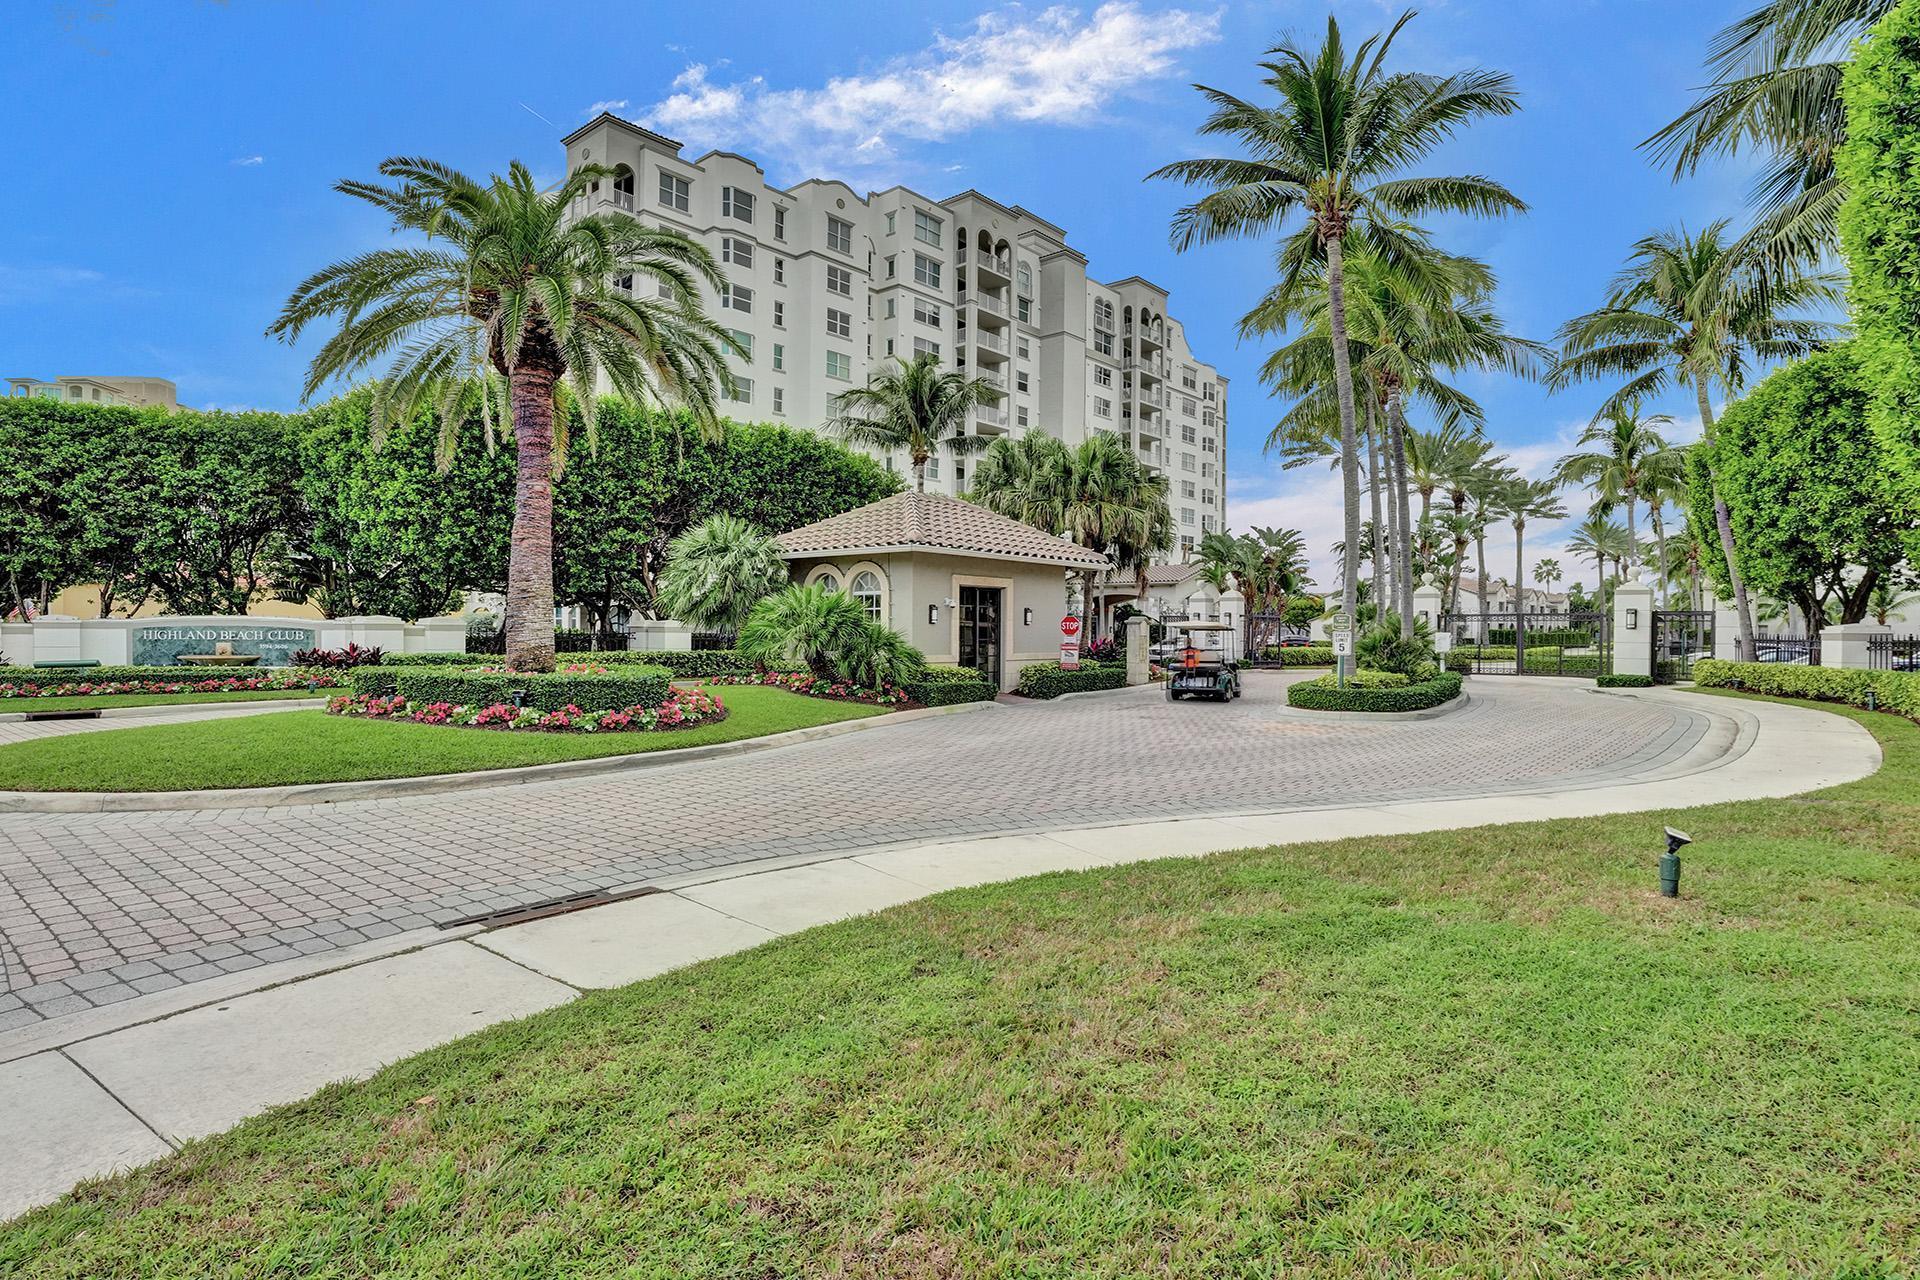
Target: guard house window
{"x":926,"y":270}
{"x":840,"y":234}
{"x":779,"y":223}
{"x":738,"y":252}
{"x":840,"y":280}
{"x":839,"y":323}
{"x":840,"y":365}
{"x":865,"y":588}
{"x":673,"y":192}
{"x":735,"y":203}
{"x":926,"y":227}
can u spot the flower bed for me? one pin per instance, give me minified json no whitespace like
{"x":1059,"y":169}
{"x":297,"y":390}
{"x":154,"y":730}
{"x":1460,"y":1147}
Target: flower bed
{"x":1324,"y":694}
{"x":681,"y":709}
{"x":812,"y":686}
{"x":106,"y":681}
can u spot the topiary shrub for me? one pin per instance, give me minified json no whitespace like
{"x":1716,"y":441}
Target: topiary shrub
{"x":1623,"y":681}
{"x":630,"y":686}
{"x":1309,"y":655}
{"x":1324,"y":694}
{"x":1047,"y":680}
{"x":1895,"y":691}
{"x":374,"y":682}
{"x":943,"y":686}
{"x":429,"y":660}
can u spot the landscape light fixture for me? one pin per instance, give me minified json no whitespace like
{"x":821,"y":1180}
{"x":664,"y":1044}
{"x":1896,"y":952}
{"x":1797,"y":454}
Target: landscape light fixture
{"x":933,"y":614}
{"x":519,"y":697}
{"x":1872,"y":703}
{"x":1670,"y":863}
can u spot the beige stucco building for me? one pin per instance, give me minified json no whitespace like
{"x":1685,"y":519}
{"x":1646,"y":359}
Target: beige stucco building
{"x":964,"y":585}
{"x":139,"y":393}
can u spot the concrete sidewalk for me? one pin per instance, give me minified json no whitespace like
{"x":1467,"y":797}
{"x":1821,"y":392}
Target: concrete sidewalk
{"x":116,"y":1086}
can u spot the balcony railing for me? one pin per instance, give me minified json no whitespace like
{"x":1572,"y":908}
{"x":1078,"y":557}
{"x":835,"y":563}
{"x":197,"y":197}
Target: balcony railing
{"x":989,"y":342}
{"x":993,"y":419}
{"x":984,"y":301}
{"x":623,"y":200}
{"x":987,"y":262}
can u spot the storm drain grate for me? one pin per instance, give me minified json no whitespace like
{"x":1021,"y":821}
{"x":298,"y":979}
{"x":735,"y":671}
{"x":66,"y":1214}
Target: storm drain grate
{"x":62,"y":715}
{"x":551,"y":907}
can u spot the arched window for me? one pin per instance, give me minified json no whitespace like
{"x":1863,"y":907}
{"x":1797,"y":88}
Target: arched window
{"x":623,"y":187}
{"x":866,"y":589}
{"x":826,"y":580}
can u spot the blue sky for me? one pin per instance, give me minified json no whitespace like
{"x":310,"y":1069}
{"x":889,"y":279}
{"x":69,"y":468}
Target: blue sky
{"x":171,"y":161}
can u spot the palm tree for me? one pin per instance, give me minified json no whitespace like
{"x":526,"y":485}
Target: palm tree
{"x":1329,"y":148}
{"x":1888,"y":598}
{"x":1616,"y":468}
{"x":1686,"y":310}
{"x":1520,"y":500}
{"x":514,"y":293}
{"x":1598,"y":539}
{"x":1268,"y":565}
{"x":1663,"y":480}
{"x":916,"y":406}
{"x":809,"y":625}
{"x":1023,"y":479}
{"x":1776,"y":85}
{"x":717,"y":571}
{"x":1546,"y":572}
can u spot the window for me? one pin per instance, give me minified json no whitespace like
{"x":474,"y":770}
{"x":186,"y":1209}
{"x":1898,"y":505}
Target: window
{"x":1020,"y":380}
{"x":623,"y":188}
{"x":1186,"y":377}
{"x":779,"y":223}
{"x":1187,"y":434}
{"x":1207,"y":392}
{"x":1103,"y":342}
{"x":779,"y":270}
{"x":1206,"y":496}
{"x":839,"y":323}
{"x":1102,"y":314}
{"x":737,"y":252}
{"x":737,"y":296}
{"x":744,"y":341}
{"x":1020,"y":415}
{"x":926,"y":227}
{"x":1186,"y":489}
{"x":779,"y":356}
{"x":1186,"y":544}
{"x":924,"y":347}
{"x":890,"y":217}
{"x":779,"y":315}
{"x":933,"y":468}
{"x":735,"y":203}
{"x":1206,"y":468}
{"x":1207,"y":444}
{"x":1206,"y":524}
{"x":1025,"y":276}
{"x":1102,"y":407}
{"x":1023,"y":350}
{"x":840,"y":280}
{"x":840,"y":365}
{"x":827,"y":581}
{"x":889,"y":346}
{"x":926,"y":270}
{"x":673,"y":192}
{"x":840,"y":234}
{"x":624,"y":284}
{"x":890,"y":265}
{"x":1186,"y":515}
{"x":925,"y":312}
{"x":1186,"y":462}
{"x":1024,"y":308}
{"x":1102,"y":376}
{"x":1206,"y":417}
{"x":865,"y":588}
{"x":1186,"y":405}
{"x":742,"y":390}
{"x":780,"y":401}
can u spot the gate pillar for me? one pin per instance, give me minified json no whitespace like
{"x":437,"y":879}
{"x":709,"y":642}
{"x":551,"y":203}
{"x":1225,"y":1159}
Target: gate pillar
{"x":1849,"y":644}
{"x":1426,"y":601}
{"x":1633,"y":628}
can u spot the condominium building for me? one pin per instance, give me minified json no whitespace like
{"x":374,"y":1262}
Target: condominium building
{"x":825,"y":284}
{"x":137,"y":392}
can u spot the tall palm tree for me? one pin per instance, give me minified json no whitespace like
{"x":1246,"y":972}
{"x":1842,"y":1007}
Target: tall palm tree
{"x":1663,"y":480}
{"x":1546,"y":571}
{"x":1776,"y":86}
{"x":1023,"y":479}
{"x":1598,"y":539}
{"x":717,"y":571}
{"x":1520,"y":500}
{"x":915,"y":406}
{"x":1616,"y":467}
{"x":1686,"y":310}
{"x":511,"y":292}
{"x":1269,"y":566}
{"x":1330,"y":148}
{"x":1472,"y":469}
{"x":1889,"y":598}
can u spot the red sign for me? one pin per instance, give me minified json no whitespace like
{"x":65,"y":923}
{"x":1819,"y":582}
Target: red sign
{"x":1070,"y":656}
{"x":1069,"y":626}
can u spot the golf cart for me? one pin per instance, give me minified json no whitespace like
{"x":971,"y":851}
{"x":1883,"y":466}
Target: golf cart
{"x":1203,"y":663}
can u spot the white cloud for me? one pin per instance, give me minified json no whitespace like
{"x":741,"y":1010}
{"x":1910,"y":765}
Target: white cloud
{"x":610,"y":104}
{"x":247,"y":162}
{"x":1053,"y":67}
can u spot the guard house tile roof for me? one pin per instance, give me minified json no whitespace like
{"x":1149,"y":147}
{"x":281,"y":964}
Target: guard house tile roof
{"x":933,"y":522}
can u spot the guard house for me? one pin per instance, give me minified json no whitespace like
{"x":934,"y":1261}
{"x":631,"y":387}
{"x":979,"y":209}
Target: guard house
{"x":966,"y":586}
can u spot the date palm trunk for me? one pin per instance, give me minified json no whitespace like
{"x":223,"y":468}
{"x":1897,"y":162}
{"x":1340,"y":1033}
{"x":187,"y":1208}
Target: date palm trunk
{"x":1349,"y":446}
{"x":1373,"y":492}
{"x":1519,"y":623}
{"x":1743,"y":615}
{"x":529,"y":618}
{"x":1397,"y":456}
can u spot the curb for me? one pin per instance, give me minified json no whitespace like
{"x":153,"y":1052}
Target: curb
{"x":436,"y":783}
{"x":163,"y":709}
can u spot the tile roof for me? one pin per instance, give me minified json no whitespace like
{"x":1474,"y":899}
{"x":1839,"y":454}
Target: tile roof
{"x":933,"y":522}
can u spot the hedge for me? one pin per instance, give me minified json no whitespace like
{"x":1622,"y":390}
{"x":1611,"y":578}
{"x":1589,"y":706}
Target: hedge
{"x":637,"y":686}
{"x":942,"y":686}
{"x":431,"y":659}
{"x":1324,"y":694}
{"x":1047,"y":680}
{"x":1564,"y":637}
{"x":1895,"y":691}
{"x":77,"y":675}
{"x":1308,"y":655}
{"x":1621,"y":680}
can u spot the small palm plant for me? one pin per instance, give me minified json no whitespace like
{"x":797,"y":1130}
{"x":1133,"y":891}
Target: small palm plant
{"x":512,"y":293}
{"x":917,"y":407}
{"x":717,"y":571}
{"x":829,"y":632}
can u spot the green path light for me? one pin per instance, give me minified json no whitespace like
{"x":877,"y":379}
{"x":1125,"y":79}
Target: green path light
{"x":1670,"y":863}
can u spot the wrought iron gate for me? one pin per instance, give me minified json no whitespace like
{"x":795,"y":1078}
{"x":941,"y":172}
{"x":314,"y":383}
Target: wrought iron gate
{"x":1680,"y":637}
{"x":1560,"y":643}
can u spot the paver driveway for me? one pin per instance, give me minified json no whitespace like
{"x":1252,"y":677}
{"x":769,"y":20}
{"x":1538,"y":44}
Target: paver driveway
{"x":96,"y":908}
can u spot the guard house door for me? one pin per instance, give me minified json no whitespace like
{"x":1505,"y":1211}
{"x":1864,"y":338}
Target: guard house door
{"x":980,"y":631}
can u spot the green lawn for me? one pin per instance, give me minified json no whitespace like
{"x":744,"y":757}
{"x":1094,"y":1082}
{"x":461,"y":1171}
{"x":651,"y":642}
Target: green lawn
{"x":88,"y":703}
{"x":1483,"y":1053}
{"x":312,"y":746}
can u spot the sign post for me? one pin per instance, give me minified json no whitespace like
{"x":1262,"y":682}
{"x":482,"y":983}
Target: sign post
{"x":1340,"y":629}
{"x":1070,"y":643}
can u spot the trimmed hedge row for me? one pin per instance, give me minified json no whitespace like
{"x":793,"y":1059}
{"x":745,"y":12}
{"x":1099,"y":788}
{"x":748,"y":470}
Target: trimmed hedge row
{"x":1324,"y":694}
{"x":1047,"y":680}
{"x":1308,"y":655}
{"x":636,"y":687}
{"x":684,"y":664}
{"x":943,"y":686}
{"x":1895,"y":691}
{"x":99,"y":675}
{"x":1621,"y":680}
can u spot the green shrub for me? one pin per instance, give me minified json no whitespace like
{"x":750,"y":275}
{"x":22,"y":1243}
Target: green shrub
{"x":1564,"y":637}
{"x":632,"y":686}
{"x":1324,"y":694}
{"x":1622,"y":680}
{"x":943,"y":686}
{"x":1383,"y":648}
{"x":1310,"y":655}
{"x":1895,"y":691}
{"x":1365,"y":679}
{"x":430,"y":659}
{"x":1047,"y":680}
{"x":373,"y":682}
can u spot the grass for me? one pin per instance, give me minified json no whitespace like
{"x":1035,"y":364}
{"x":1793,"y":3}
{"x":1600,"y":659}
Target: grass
{"x":1479,"y":1053}
{"x":89,"y":703}
{"x":278,"y":749}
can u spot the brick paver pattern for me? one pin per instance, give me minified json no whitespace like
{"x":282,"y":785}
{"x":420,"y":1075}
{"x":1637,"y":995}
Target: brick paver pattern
{"x":96,"y":908}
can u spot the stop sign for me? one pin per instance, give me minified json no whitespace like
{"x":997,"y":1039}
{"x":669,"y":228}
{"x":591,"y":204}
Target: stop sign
{"x":1069,"y":626}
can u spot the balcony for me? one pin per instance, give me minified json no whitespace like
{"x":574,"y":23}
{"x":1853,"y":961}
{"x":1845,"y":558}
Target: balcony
{"x":998,"y":381}
{"x":989,"y":422}
{"x":623,"y":200}
{"x":1148,"y":336}
{"x":1152,"y":427}
{"x":989,"y":347}
{"x":989,"y":270}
